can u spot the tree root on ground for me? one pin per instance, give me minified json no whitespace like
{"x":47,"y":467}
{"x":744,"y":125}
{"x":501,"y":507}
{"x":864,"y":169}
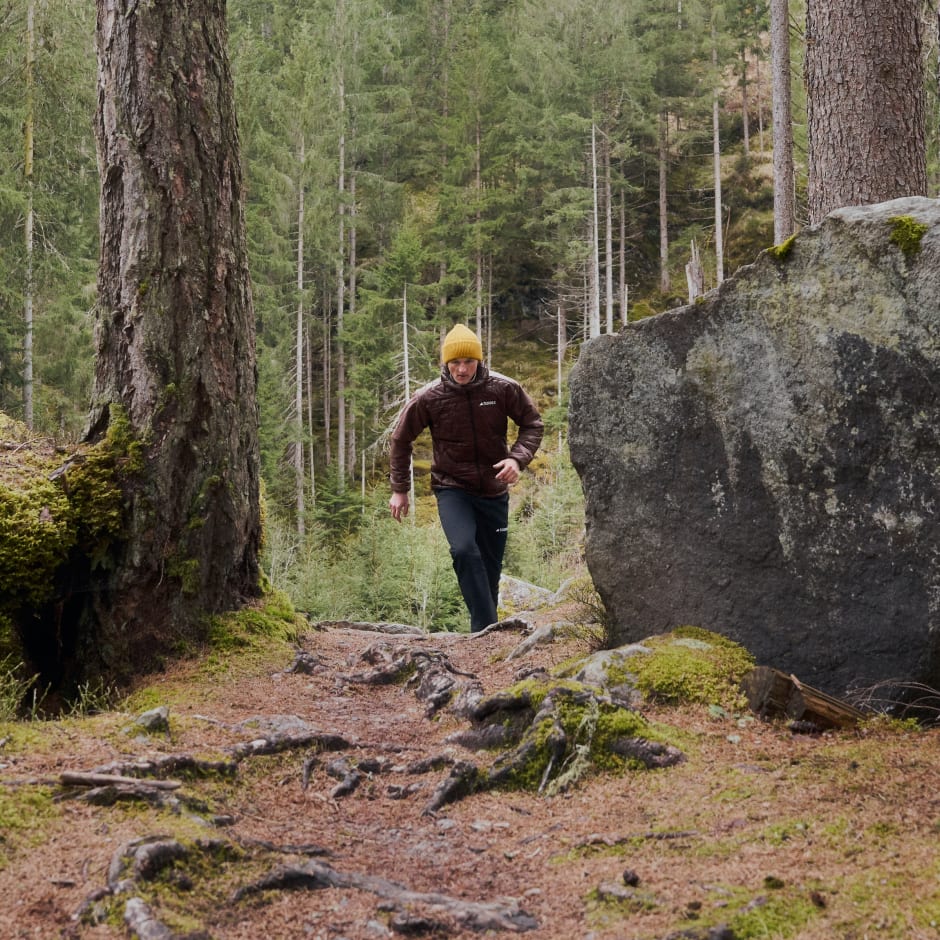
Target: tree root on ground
{"x":429,"y":672}
{"x":504,"y":914}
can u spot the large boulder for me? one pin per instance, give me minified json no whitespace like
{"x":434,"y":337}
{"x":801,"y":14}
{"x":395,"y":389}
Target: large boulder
{"x":766,"y":463}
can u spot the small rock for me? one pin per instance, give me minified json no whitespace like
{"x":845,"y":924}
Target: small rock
{"x":154,"y":721}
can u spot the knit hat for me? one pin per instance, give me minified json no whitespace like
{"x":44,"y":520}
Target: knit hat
{"x":461,"y":343}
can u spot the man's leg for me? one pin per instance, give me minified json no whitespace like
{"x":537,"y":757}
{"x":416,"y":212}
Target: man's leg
{"x":459,"y":521}
{"x":492,"y":532}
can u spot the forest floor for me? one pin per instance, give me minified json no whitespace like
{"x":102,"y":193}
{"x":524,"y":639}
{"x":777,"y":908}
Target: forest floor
{"x":759,"y":832}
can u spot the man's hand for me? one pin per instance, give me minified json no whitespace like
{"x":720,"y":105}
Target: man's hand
{"x":398,"y":504}
{"x":507,"y":470}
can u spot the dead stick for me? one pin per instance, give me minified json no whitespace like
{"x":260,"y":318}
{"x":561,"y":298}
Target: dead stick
{"x":78,"y":779}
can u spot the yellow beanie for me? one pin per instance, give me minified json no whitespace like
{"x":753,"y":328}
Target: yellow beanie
{"x":461,"y":343}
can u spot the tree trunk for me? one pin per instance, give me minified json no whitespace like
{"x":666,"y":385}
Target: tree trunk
{"x":745,"y":116}
{"x":624,"y":308}
{"x":595,"y":316}
{"x":351,"y":293}
{"x":865,"y":103}
{"x":664,"y":284}
{"x":310,"y":435}
{"x":716,"y":156}
{"x":327,"y":384}
{"x":608,"y":238}
{"x":175,"y":332}
{"x":299,"y":476}
{"x":341,"y":299}
{"x":28,"y":174}
{"x":406,"y":379}
{"x":784,"y":188}
{"x":760,"y":104}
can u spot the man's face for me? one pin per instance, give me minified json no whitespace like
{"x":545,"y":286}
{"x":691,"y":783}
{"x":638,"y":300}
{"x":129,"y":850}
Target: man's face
{"x":462,"y":371}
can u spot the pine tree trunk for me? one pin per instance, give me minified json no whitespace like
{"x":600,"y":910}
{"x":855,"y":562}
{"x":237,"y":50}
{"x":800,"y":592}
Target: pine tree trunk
{"x":624,"y":309}
{"x":608,"y":237}
{"x":745,"y":116}
{"x":865,"y":103}
{"x":341,"y":303}
{"x":595,"y":279}
{"x":28,"y":174}
{"x":784,"y":188}
{"x":351,"y":303}
{"x":175,"y":332}
{"x":310,"y":437}
{"x":716,"y":155}
{"x":664,"y":284}
{"x":327,"y":385}
{"x":299,"y":476}
{"x":760,"y":104}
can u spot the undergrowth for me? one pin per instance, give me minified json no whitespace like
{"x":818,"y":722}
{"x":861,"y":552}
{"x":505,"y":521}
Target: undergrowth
{"x":381,"y":570}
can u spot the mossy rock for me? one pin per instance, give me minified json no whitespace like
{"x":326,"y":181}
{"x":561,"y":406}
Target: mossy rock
{"x":686,"y":666}
{"x":691,"y":666}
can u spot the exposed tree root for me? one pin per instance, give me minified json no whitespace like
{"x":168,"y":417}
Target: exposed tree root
{"x":505,"y":914}
{"x":465,"y":778}
{"x":275,"y":743}
{"x":141,"y":922}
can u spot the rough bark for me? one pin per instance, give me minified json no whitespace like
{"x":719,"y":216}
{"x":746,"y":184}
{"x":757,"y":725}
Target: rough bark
{"x":865,"y":103}
{"x":175,"y":330}
{"x":784,"y":191}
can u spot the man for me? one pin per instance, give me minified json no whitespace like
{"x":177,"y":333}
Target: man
{"x":472,"y":466}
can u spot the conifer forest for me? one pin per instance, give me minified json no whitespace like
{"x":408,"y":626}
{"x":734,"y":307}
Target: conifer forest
{"x":542,"y":170}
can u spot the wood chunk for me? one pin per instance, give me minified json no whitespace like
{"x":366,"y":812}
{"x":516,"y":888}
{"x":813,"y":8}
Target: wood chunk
{"x":774,"y":694}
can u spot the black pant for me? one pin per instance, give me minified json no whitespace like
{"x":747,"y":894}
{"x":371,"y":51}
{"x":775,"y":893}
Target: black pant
{"x":476,"y":528}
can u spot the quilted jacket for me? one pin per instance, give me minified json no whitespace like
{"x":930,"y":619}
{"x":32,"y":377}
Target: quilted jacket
{"x":468,"y":426}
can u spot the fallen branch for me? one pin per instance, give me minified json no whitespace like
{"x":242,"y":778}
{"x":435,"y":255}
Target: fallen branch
{"x":75,"y":778}
{"x":613,"y":841}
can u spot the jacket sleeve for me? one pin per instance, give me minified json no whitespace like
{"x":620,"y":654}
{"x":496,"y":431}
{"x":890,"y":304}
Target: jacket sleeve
{"x":411,"y":422}
{"x":523,"y":412}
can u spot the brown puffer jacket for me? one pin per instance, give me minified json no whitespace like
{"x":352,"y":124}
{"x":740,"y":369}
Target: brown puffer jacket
{"x":468,"y":431}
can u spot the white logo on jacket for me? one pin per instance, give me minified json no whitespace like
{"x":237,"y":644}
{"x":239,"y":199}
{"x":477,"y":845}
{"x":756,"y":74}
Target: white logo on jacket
{"x":483,"y":404}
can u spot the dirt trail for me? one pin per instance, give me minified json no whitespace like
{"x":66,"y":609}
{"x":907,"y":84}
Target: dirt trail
{"x":756,"y":826}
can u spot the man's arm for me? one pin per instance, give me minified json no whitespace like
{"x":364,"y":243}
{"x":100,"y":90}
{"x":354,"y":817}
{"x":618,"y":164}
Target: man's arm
{"x":529,"y":422}
{"x":411,"y":422}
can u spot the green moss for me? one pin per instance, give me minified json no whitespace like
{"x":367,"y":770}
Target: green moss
{"x":37,"y":530}
{"x":780,"y":915}
{"x":52,"y":508}
{"x":692,"y":665}
{"x":189,"y":889}
{"x":23,"y":811}
{"x":641,"y":310}
{"x":782,"y":251}
{"x":256,"y":626}
{"x":907,"y":233}
{"x":186,"y":571}
{"x":606,"y":907}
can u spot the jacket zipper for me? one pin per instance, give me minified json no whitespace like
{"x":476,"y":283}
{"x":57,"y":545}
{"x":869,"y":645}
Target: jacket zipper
{"x":476,"y":447}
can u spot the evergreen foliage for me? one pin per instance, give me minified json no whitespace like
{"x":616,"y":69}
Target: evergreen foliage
{"x":465,"y":130}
